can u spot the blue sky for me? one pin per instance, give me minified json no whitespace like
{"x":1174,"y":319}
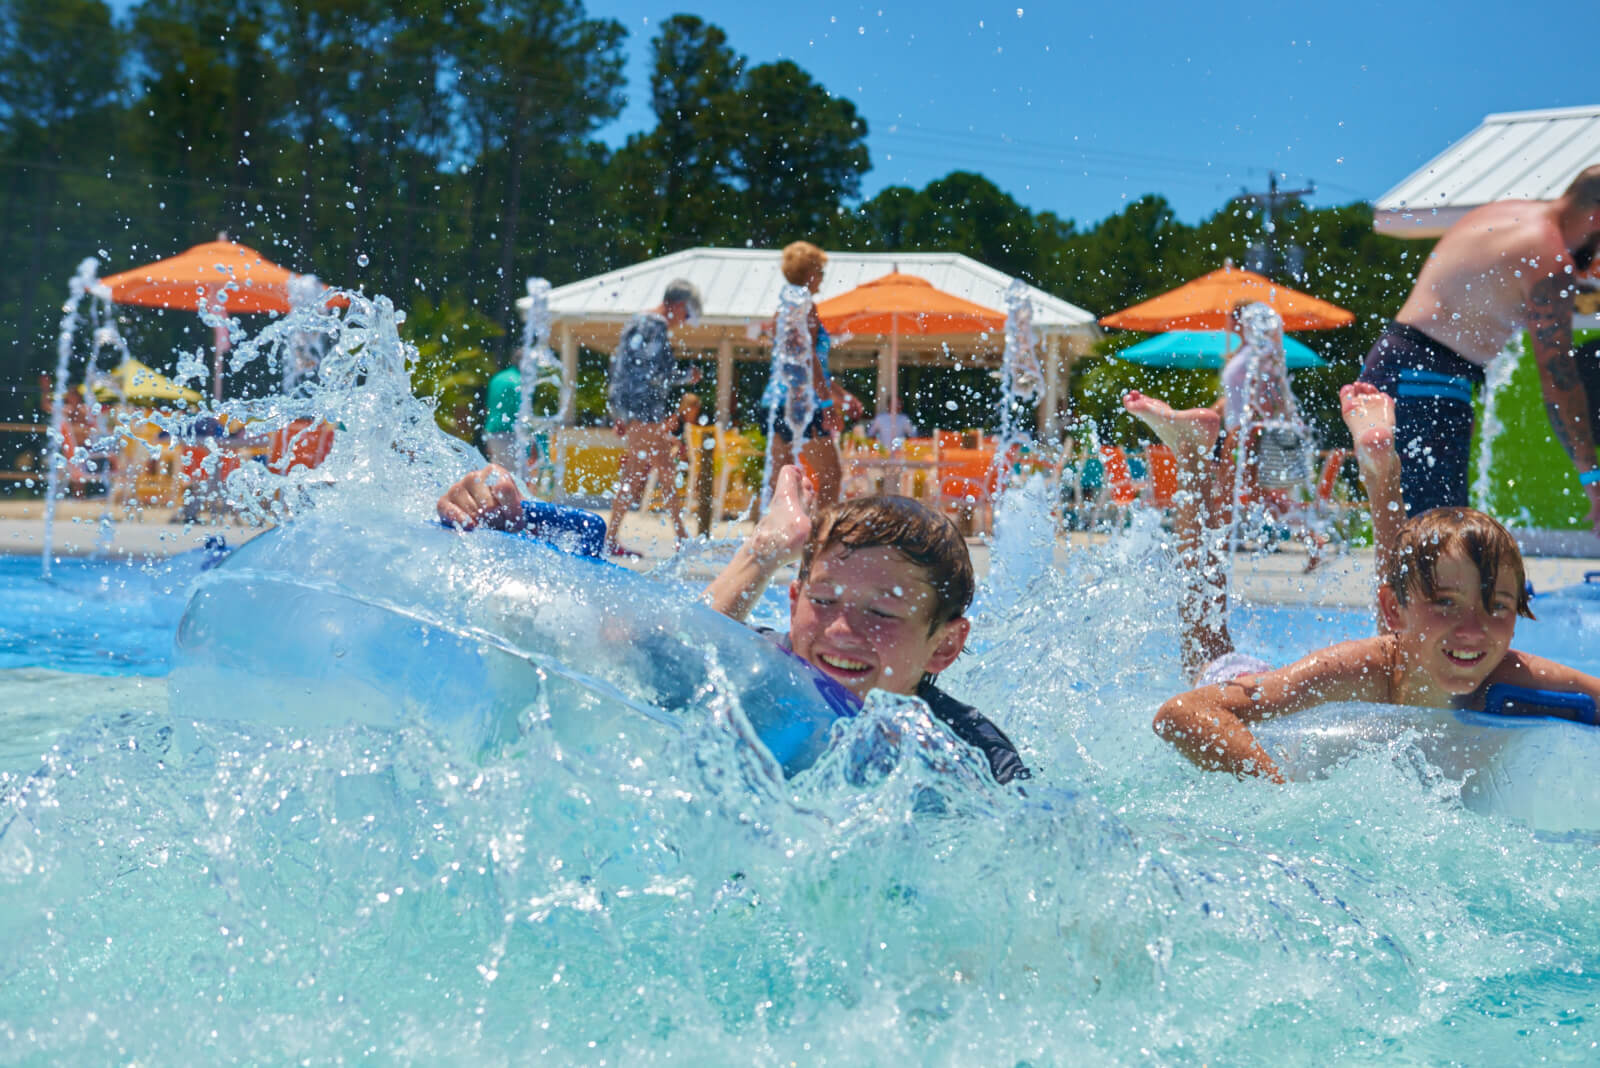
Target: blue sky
{"x":1077,"y":108}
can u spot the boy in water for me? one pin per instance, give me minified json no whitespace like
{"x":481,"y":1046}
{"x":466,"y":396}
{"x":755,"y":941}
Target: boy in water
{"x":1452,"y":588}
{"x":879,"y":602}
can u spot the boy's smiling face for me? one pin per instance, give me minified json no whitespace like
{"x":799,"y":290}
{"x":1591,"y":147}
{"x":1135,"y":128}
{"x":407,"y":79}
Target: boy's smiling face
{"x":1450,"y":637}
{"x":862,"y":617}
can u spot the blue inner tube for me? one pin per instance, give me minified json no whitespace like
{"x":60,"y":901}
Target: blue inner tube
{"x":481,"y":636}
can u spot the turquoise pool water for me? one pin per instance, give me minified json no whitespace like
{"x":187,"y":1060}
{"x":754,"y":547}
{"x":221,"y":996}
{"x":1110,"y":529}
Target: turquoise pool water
{"x":179,"y":886}
{"x":192,"y":889}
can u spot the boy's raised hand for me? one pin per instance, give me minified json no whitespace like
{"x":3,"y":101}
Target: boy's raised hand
{"x":488,"y":498}
{"x":783,"y":530}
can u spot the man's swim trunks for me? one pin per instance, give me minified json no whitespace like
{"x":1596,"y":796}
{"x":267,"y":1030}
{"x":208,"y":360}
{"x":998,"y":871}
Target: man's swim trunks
{"x":1432,"y":387}
{"x":812,"y":432}
{"x":1588,"y":360}
{"x":1230,"y":666}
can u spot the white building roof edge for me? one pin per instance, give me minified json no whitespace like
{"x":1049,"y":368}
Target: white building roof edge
{"x":1513,"y":155}
{"x":740,"y":286}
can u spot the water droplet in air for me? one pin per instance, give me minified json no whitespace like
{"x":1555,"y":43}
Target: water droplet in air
{"x":363,"y":260}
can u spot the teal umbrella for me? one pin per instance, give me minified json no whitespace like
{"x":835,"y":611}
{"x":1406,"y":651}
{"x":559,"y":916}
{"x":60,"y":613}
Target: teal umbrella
{"x":1199,"y":349}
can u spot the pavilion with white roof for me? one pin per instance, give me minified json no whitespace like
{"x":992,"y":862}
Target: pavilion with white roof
{"x":739,"y":292}
{"x":1517,"y":155}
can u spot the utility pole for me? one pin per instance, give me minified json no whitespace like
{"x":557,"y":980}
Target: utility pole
{"x":1266,"y":258}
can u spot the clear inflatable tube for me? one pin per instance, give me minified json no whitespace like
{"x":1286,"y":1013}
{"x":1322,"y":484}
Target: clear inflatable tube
{"x":1541,"y":770}
{"x":478,"y":636}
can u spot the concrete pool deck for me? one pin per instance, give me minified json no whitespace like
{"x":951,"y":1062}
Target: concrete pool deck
{"x":1279,"y":577}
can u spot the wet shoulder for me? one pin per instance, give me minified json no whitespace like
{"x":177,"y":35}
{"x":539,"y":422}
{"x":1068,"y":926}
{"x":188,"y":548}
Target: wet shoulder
{"x":978,"y":731}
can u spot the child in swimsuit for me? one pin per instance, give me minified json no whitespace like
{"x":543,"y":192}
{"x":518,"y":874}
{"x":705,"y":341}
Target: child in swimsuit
{"x":879,"y":601}
{"x":1452,"y":588}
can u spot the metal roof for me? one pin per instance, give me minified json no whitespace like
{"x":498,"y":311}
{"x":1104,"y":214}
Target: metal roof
{"x":739,"y":287}
{"x":1517,"y":155}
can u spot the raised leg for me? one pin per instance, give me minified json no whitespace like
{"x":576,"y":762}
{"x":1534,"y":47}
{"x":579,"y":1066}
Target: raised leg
{"x":1191,"y":435}
{"x":1369,"y":413}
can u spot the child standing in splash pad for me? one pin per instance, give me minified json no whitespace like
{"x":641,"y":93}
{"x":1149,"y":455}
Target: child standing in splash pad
{"x":1452,"y":588}
{"x":1265,"y":438}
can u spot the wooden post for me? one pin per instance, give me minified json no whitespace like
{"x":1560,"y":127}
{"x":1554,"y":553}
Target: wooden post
{"x":701,"y":482}
{"x":885,"y":382}
{"x":569,"y":373}
{"x":725,"y":375}
{"x":1050,"y":404}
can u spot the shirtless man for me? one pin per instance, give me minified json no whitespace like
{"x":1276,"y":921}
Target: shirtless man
{"x":1503,"y":266}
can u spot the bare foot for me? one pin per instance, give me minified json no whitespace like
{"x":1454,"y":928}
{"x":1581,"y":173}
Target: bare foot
{"x":1369,"y":413}
{"x":1190,"y":433}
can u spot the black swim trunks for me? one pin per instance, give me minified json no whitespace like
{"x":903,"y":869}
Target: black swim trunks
{"x":1588,"y":359}
{"x":813,"y":431}
{"x":1432,"y":387}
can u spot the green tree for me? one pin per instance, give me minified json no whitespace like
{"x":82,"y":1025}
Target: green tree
{"x":666,"y":180}
{"x":537,"y":76}
{"x":60,"y":106}
{"x":961,"y":212}
{"x":453,"y":364}
{"x":797,"y":155}
{"x":739,"y":154}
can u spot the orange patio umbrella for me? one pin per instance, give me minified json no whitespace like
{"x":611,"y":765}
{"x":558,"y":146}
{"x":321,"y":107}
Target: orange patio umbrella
{"x":904,"y":304}
{"x":259,"y":285}
{"x":1205,"y":302}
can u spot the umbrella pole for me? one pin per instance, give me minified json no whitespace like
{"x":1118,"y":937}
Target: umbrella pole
{"x":219,"y":335}
{"x":894,"y":366}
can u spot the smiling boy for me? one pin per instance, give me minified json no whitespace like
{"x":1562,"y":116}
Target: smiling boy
{"x":1452,"y":588}
{"x":878,"y":603}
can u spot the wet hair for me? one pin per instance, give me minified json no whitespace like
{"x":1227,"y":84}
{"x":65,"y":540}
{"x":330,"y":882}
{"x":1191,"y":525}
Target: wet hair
{"x":1425,"y":539}
{"x":924,"y":537}
{"x":1585,"y":188}
{"x":1583,"y":255}
{"x":801,"y":260}
{"x":681,"y":291}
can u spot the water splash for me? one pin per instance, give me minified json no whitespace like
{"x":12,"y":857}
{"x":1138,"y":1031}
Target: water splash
{"x":539,"y":366}
{"x":790,"y":396}
{"x":103,"y":335}
{"x":1496,"y":377}
{"x":306,"y":348}
{"x":1021,"y":381}
{"x":343,"y":892}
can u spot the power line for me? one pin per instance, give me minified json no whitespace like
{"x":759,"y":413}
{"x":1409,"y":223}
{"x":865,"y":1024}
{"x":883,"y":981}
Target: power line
{"x":1061,"y":150}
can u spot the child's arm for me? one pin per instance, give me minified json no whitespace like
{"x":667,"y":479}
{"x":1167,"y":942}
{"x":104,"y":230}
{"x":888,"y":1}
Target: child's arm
{"x":1208,"y":724}
{"x":778,"y":540}
{"x":1537,"y":673}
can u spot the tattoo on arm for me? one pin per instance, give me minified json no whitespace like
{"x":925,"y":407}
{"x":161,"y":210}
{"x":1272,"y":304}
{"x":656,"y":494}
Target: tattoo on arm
{"x":1549,"y":320}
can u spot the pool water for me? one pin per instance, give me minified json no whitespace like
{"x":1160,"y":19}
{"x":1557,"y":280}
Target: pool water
{"x":188,"y":888}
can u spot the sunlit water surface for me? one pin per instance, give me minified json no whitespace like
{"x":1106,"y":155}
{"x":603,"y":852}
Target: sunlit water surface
{"x":181,"y":887}
{"x":193,"y":889}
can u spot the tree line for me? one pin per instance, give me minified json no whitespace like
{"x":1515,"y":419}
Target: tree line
{"x":442,"y":151}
